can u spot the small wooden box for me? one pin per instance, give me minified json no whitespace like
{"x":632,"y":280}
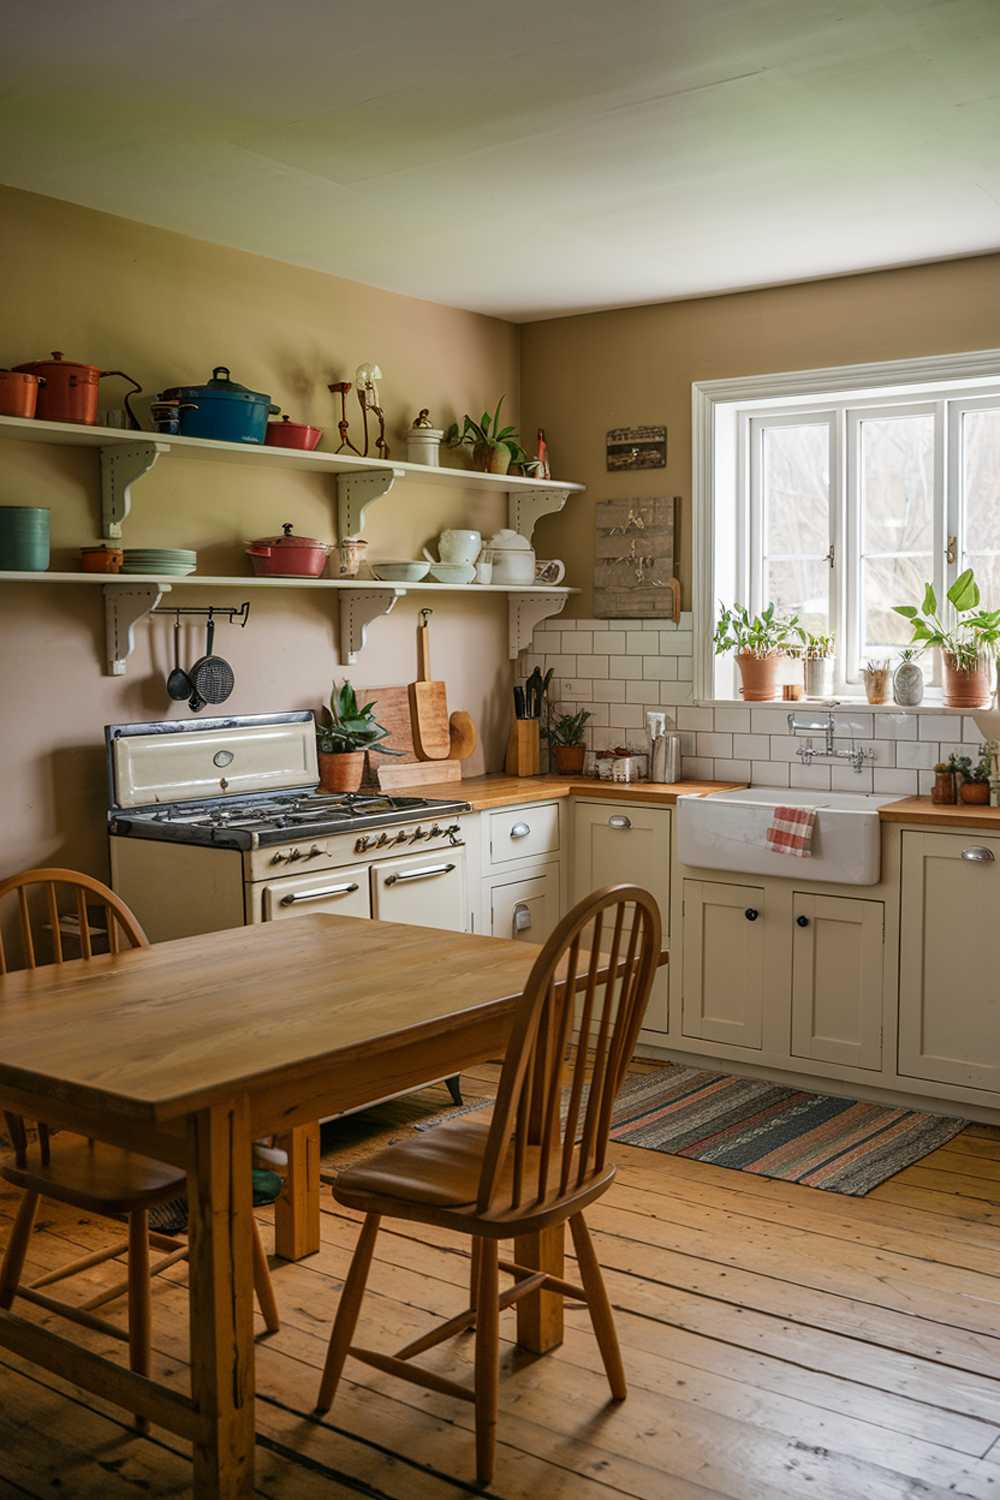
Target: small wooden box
{"x":523,"y":748}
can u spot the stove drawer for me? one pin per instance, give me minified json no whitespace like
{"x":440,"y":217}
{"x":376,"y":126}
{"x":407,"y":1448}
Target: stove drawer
{"x":343,"y":891}
{"x":427,"y":890}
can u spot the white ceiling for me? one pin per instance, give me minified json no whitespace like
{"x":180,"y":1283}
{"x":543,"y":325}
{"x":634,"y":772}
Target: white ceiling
{"x":525,"y":159}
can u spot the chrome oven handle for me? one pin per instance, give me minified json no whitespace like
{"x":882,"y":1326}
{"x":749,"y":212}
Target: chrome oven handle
{"x":293,"y":898}
{"x":977,"y":855}
{"x":423,"y":874}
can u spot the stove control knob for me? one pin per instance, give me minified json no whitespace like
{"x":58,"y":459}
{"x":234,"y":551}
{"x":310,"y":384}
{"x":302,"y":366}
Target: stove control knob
{"x":314,"y":852}
{"x":360,"y":845}
{"x":294,"y":854}
{"x":435,"y":832}
{"x":401,"y":836}
{"x":417,"y":835}
{"x":277,"y":859}
{"x":382,"y":840}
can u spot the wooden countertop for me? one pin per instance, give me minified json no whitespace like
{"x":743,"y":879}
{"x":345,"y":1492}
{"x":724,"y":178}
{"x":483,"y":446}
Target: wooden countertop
{"x":923,"y":810}
{"x":488,"y":792}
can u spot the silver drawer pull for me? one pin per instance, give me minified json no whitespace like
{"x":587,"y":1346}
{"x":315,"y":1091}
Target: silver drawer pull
{"x":520,"y":830}
{"x":292,"y":898}
{"x":977,"y":855}
{"x":522,"y":918}
{"x":619,"y":820}
{"x":423,"y":874}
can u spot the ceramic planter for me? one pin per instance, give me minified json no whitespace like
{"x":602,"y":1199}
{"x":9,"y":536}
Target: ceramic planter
{"x":568,"y":759}
{"x":908,"y":685}
{"x":965,"y":688}
{"x":975,"y":792}
{"x":758,"y":676}
{"x":490,"y":459}
{"x":877,"y":686}
{"x":341,"y":772}
{"x":818,"y":675}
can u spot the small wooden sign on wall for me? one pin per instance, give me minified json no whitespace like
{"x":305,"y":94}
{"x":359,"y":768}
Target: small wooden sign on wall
{"x":634,"y":559}
{"x":637,"y":448}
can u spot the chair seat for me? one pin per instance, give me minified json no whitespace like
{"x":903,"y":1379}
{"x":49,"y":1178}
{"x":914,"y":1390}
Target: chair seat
{"x":99,"y":1178}
{"x":439,"y":1171}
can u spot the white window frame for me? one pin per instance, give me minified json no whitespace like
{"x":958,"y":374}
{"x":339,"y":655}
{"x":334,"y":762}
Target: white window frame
{"x":718,"y":471}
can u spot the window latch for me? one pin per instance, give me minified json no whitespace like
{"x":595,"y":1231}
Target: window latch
{"x":831,"y":556}
{"x":951,"y":551}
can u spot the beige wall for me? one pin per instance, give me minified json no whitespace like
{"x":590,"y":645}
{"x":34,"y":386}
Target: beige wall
{"x":582,"y":375}
{"x":166,"y":309}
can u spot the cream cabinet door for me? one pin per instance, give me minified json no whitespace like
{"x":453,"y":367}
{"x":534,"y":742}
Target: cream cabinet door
{"x":527,"y":908}
{"x":627,"y":844}
{"x":723,"y":964}
{"x":837,"y":965}
{"x":949,"y":961}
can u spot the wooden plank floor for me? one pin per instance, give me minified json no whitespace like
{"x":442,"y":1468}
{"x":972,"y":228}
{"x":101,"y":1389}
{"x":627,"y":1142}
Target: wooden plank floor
{"x":779,"y":1341}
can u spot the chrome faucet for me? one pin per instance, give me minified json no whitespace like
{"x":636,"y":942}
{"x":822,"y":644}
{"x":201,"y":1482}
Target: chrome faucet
{"x":807,"y":753}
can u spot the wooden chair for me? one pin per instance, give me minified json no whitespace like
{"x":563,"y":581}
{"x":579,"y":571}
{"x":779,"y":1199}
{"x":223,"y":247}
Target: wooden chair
{"x":540,"y":1160}
{"x":90,"y":1175}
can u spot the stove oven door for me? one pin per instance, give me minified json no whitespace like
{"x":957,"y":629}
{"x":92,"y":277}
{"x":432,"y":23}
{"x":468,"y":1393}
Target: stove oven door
{"x":344,"y":892}
{"x":427,"y":890}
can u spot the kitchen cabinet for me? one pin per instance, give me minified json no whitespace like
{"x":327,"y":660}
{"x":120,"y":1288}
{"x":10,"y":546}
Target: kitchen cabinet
{"x":949,"y":993}
{"x":627,"y":844}
{"x":837,"y":979}
{"x":521,"y":833}
{"x":526,"y":907}
{"x":427,"y":890}
{"x":722,"y":987}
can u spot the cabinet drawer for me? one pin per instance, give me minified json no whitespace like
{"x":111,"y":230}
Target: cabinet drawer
{"x":427,"y":890}
{"x":344,"y":892}
{"x":524,"y":832}
{"x":526,"y":909}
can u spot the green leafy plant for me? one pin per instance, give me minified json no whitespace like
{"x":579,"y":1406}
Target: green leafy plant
{"x":346,"y":726}
{"x":971,"y":634}
{"x":765,"y":634}
{"x":962,"y":766}
{"x":488,"y":433}
{"x":567,"y":729}
{"x":814,"y":647}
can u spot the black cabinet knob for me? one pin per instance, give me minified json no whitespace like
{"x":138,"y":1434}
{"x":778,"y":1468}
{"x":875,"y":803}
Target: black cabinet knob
{"x":751,"y":914}
{"x":802,"y":921}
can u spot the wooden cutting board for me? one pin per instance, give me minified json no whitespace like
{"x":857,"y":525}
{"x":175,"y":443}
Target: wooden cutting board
{"x":428,"y":702}
{"x":392,"y":711}
{"x":393,"y":777}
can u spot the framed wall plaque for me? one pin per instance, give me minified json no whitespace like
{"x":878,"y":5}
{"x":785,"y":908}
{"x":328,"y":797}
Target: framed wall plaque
{"x":637,"y":448}
{"x":634,"y":559}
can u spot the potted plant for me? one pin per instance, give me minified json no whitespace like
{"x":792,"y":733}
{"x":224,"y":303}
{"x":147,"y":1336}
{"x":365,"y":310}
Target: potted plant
{"x":943,"y":793}
{"x":908,"y":680}
{"x":967,"y":644}
{"x":565,"y":737}
{"x":876,"y":675}
{"x":974,"y":780}
{"x":817,"y":653}
{"x":344,"y":731}
{"x":759,"y":643}
{"x":494,"y":448}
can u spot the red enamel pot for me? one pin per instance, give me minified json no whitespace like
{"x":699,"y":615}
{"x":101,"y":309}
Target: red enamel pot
{"x":289,"y":434}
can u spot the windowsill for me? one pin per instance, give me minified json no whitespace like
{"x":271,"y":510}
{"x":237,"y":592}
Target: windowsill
{"x":932,"y":704}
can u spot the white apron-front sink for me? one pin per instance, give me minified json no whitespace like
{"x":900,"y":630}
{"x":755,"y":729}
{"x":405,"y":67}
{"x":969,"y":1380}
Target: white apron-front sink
{"x":728,"y":831}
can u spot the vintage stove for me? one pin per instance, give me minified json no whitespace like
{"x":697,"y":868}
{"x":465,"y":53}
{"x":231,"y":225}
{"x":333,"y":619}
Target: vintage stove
{"x":221,"y":823}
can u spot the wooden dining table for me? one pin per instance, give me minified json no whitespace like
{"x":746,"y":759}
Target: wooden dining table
{"x":189,"y":1051}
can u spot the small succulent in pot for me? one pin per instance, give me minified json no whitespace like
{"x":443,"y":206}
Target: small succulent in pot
{"x":344,"y":732}
{"x":565,"y":737}
{"x":974,"y":780}
{"x":494,"y":448}
{"x":759,"y":642}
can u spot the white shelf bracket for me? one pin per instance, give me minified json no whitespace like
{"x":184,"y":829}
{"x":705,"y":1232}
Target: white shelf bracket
{"x":525,"y":508}
{"x":355,"y":492}
{"x":525,"y":612}
{"x":124,"y":606}
{"x":121,"y":465}
{"x":358,"y":608}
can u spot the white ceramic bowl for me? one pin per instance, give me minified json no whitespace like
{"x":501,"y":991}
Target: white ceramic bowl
{"x":400,"y":572}
{"x":453,"y":572}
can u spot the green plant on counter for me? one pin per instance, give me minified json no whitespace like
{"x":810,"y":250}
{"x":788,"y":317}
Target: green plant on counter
{"x":814,"y":647}
{"x":345,"y":726}
{"x":961,"y":765}
{"x":975,"y":632}
{"x":567,"y":729}
{"x":486,"y":434}
{"x":765,"y":634}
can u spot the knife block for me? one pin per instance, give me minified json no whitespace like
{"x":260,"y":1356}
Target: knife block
{"x":523,"y":748}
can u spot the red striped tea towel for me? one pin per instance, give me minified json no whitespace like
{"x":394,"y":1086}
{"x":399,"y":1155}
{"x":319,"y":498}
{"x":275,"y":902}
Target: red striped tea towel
{"x":791,"y":831}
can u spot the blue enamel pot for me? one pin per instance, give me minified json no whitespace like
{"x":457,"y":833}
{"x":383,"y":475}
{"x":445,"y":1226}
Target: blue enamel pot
{"x":221,"y":409}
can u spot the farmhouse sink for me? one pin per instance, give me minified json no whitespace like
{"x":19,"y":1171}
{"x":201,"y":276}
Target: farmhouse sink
{"x":727,"y":831}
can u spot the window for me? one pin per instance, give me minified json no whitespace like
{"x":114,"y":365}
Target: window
{"x":839,"y":506}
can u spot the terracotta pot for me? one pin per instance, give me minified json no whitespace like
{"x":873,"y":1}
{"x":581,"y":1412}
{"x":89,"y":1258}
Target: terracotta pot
{"x":569,"y":758}
{"x":977,"y":792}
{"x":491,"y":460}
{"x":341,"y":772}
{"x":759,"y":676}
{"x":964,"y":688}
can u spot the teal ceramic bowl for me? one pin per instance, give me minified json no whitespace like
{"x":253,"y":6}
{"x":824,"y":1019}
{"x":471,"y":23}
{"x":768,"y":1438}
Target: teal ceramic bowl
{"x":24,"y":538}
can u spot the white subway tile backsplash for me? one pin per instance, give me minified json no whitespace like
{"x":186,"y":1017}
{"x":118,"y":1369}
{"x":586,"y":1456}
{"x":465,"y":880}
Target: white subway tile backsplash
{"x":698,"y":768}
{"x":847,"y":779}
{"x":577,"y":640}
{"x":686,"y":621}
{"x":695,"y":718}
{"x":612,"y":641}
{"x":660,"y":668}
{"x":592,"y":666}
{"x":610,"y":739}
{"x":562,"y":666}
{"x":642,"y":643}
{"x":715,"y":744}
{"x":812,"y":778}
{"x":672,"y":694}
{"x":733,"y":720}
{"x":903,"y":782}
{"x":895,"y":726}
{"x":627,"y":715}
{"x":626,"y":667}
{"x":546,"y":640}
{"x":786,"y":747}
{"x":971,"y":732}
{"x":938,"y":727}
{"x":657,"y":624}
{"x":768,"y":721}
{"x":609,"y":692}
{"x":769,"y":773}
{"x":917,"y":755}
{"x":598,"y":714}
{"x":732,"y":770}
{"x":925,"y":780}
{"x":851,"y":725}
{"x":680,"y":643}
{"x":643,"y":692}
{"x":752,"y":746}
{"x":685,"y":667}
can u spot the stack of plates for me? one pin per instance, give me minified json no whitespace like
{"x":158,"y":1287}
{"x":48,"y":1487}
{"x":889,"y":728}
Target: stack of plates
{"x":177,"y":561}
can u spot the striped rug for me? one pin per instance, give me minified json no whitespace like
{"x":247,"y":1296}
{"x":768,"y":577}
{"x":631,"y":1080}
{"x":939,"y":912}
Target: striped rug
{"x":752,"y":1125}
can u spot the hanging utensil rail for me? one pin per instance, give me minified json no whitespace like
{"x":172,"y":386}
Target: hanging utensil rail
{"x":236,"y":616}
